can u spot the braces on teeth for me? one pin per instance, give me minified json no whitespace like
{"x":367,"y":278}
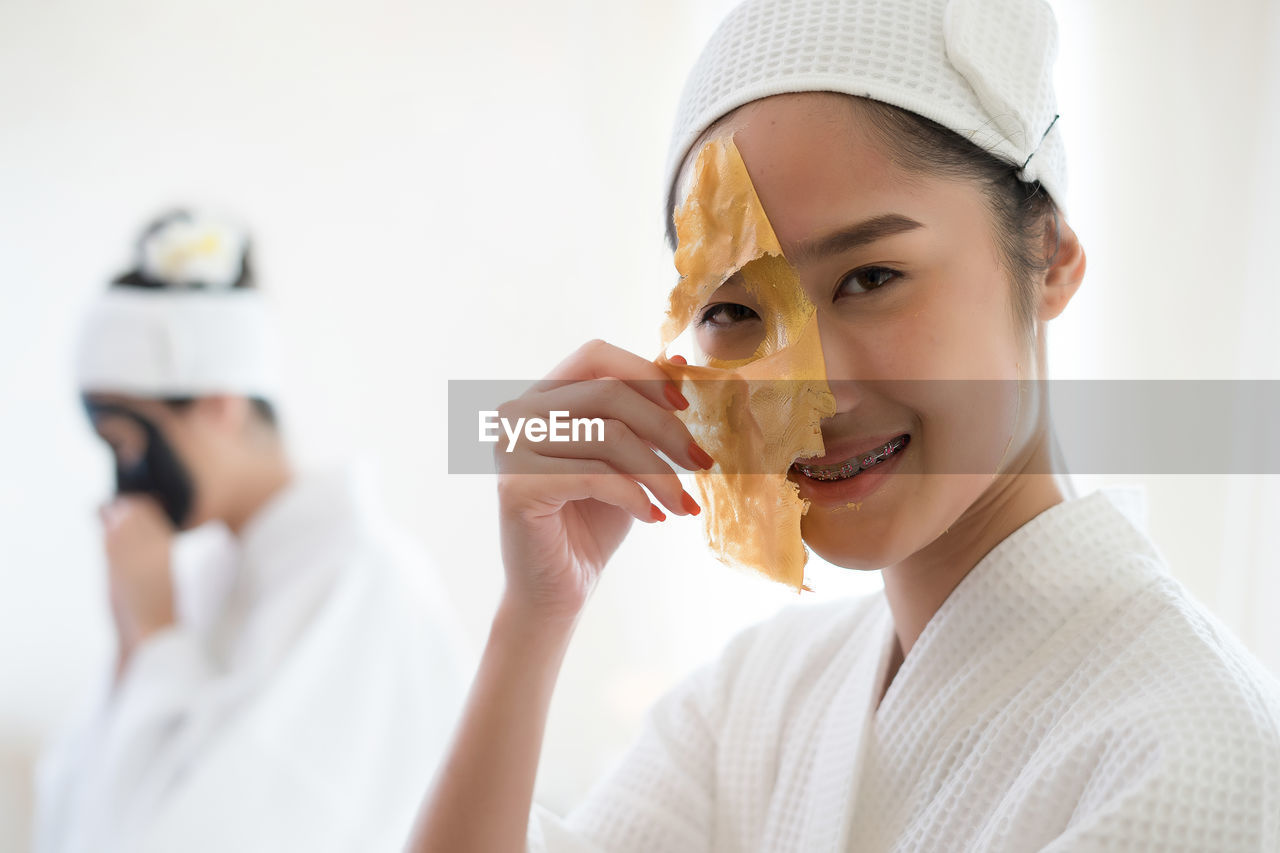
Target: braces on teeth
{"x":852,"y":466}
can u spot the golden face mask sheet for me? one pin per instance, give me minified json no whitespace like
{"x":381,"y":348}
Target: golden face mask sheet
{"x":758,"y":410}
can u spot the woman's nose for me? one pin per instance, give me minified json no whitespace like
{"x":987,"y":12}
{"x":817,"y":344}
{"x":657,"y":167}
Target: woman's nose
{"x":842,"y":364}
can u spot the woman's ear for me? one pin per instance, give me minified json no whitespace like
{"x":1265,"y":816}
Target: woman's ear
{"x":1066,"y":270}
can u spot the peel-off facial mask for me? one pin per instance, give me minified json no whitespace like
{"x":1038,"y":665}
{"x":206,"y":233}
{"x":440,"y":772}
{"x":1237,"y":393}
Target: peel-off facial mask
{"x":754,"y":413}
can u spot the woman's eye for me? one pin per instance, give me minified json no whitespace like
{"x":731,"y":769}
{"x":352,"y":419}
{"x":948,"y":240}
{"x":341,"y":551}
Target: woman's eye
{"x":726,"y":314}
{"x":867,"y":279}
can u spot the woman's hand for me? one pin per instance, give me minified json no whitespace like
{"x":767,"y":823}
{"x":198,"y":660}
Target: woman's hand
{"x":566,"y":506}
{"x":137,"y":537}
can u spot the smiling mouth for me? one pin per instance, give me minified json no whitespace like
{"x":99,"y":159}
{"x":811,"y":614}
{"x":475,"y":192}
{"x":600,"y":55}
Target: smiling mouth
{"x":854,"y":466}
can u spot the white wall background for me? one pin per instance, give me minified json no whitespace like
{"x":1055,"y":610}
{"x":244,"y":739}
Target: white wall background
{"x":449,"y":191}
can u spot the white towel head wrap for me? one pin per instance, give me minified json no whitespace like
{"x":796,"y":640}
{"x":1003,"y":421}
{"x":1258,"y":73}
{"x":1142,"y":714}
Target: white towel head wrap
{"x":181,"y":327}
{"x":982,"y":68}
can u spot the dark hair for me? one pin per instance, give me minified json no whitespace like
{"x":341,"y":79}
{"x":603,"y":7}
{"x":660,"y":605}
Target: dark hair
{"x":137,"y":278}
{"x":1019,"y":209}
{"x":262,"y":408}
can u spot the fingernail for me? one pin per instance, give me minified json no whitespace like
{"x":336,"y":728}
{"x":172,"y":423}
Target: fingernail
{"x":700,"y":456}
{"x":678,"y":359}
{"x":656,"y":514}
{"x":674,"y":397}
{"x":689,"y":504}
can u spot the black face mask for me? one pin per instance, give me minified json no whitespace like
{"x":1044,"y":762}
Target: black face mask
{"x":159,"y":473}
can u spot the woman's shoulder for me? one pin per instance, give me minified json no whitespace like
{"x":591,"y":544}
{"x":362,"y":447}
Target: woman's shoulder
{"x":1185,"y":672}
{"x":1165,"y":698}
{"x":1146,"y":642}
{"x":1179,"y":724}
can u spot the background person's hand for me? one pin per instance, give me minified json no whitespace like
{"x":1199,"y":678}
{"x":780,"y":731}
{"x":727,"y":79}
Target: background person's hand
{"x":137,"y":537}
{"x":566,"y":506}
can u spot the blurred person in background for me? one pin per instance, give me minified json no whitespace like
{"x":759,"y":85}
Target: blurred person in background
{"x":284,"y":679}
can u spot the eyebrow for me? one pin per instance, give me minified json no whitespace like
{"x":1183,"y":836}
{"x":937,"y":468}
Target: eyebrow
{"x":853,"y":237}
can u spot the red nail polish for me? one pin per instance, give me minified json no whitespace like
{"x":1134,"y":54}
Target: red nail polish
{"x":674,"y":397}
{"x":678,"y":359}
{"x":656,"y":514}
{"x":689,"y":504}
{"x":700,"y":456}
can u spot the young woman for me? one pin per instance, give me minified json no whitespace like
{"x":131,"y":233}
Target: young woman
{"x":1030,"y":678}
{"x":262,"y":685}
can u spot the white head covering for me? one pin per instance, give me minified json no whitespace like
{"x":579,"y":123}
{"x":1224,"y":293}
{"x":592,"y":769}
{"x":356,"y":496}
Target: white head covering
{"x":164,"y":343}
{"x":190,"y":332}
{"x":982,"y":68}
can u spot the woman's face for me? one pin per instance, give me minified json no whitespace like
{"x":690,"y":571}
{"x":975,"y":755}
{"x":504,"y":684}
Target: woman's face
{"x":183,"y":473}
{"x":915,"y":318}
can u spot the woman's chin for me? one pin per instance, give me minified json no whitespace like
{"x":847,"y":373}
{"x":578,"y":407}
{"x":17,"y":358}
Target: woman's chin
{"x":851,"y":543}
{"x":870,"y":534}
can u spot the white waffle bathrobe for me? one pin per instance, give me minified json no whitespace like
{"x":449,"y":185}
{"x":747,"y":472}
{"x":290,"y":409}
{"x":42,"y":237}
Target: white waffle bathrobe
{"x":1068,"y":695}
{"x":303,"y":708}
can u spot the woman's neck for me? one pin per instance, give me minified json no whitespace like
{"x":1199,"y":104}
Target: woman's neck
{"x":916,"y":587}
